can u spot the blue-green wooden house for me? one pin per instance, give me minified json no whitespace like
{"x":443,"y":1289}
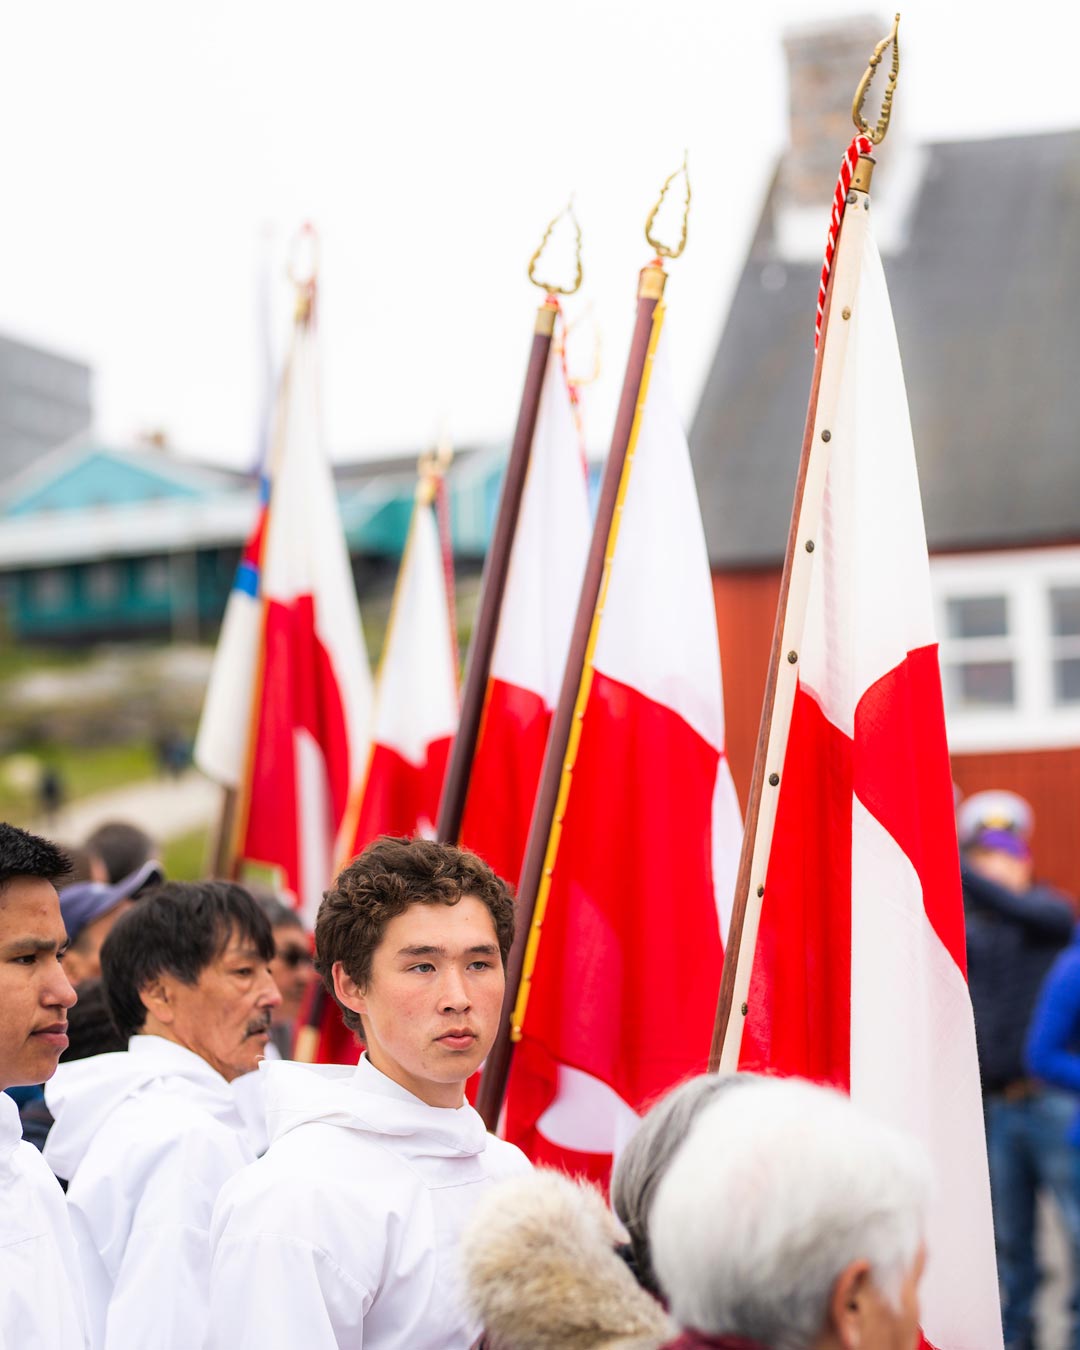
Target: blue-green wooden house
{"x":98,"y":542}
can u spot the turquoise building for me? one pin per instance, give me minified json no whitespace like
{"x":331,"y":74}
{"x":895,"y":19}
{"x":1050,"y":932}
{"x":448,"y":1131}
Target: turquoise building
{"x":100,"y":543}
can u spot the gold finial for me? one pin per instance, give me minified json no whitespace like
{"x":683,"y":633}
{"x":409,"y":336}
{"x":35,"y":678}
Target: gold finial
{"x":877,"y":134}
{"x":549,"y":286}
{"x":303,"y":269}
{"x":662,"y":250}
{"x":431,"y":467}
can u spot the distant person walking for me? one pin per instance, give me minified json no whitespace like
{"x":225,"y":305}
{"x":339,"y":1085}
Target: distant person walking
{"x":50,"y":793}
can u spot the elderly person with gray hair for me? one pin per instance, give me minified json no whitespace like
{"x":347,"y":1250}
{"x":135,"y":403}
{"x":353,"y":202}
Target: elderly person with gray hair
{"x":644,"y":1161}
{"x":791,"y":1220}
{"x":542,"y":1254}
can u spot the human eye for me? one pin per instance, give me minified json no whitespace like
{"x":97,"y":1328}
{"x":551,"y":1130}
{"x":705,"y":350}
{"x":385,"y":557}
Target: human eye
{"x":26,"y":959}
{"x":423,"y":967}
{"x":244,"y":972}
{"x":480,"y":964}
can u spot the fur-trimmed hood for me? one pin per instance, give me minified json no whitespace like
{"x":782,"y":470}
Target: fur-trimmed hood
{"x":541,"y":1271}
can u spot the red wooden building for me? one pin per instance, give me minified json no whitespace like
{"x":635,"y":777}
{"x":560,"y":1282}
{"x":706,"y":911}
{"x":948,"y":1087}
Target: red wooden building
{"x":981,"y":244}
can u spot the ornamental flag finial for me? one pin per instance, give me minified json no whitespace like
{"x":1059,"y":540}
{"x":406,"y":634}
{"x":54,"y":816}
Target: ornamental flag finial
{"x":549,"y":286}
{"x":877,"y":134}
{"x":665,"y":250}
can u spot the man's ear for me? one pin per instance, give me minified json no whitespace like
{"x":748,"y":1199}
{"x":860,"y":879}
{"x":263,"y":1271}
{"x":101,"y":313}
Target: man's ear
{"x":847,"y":1305}
{"x":155,"y":996}
{"x":347,"y":990}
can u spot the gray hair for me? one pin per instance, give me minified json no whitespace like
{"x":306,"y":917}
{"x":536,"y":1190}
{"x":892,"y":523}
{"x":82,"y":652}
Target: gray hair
{"x":771,"y":1198}
{"x":643,"y":1162}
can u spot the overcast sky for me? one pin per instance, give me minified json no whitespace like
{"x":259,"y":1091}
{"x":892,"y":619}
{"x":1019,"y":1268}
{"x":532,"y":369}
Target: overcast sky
{"x":147,"y":148}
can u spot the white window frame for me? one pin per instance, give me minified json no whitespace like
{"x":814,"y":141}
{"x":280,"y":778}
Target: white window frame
{"x":1025,"y":578}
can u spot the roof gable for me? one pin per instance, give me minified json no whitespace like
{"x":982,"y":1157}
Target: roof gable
{"x":85,"y":476}
{"x":985,"y":296}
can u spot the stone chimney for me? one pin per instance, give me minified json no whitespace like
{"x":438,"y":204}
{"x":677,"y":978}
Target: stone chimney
{"x":825,"y":63}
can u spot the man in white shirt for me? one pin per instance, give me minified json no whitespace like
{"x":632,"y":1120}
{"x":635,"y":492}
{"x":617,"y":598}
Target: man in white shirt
{"x":41,"y":1299}
{"x":346,"y":1233}
{"x":147,"y":1136}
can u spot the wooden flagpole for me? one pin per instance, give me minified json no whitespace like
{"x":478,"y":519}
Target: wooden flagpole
{"x":497,"y":563}
{"x":844,"y":264}
{"x":496,"y":1072}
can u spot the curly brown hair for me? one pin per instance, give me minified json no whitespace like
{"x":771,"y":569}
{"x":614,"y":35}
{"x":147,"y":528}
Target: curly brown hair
{"x":390,"y":875}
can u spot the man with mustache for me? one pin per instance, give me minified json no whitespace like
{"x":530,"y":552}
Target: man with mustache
{"x":346,"y":1232}
{"x":147,"y":1136}
{"x":41,"y":1299}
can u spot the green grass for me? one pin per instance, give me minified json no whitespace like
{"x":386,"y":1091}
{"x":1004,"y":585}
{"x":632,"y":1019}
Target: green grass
{"x":84,"y":770}
{"x":16,"y":659}
{"x":186,"y":856}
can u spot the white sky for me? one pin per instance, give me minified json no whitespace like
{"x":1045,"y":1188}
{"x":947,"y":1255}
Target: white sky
{"x":148,"y":147}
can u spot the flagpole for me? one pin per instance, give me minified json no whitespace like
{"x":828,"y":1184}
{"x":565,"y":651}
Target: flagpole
{"x":222,"y":838}
{"x":497,"y":563}
{"x":651,"y":282}
{"x":843,"y":260}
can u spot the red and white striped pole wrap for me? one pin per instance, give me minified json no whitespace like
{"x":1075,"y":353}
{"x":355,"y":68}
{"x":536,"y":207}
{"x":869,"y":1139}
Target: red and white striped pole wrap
{"x":860,"y":145}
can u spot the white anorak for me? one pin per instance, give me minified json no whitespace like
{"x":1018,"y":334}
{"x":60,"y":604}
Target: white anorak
{"x":41,"y":1297}
{"x":346,"y":1233}
{"x":145,"y":1138}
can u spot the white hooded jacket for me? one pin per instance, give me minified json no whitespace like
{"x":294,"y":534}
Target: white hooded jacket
{"x":145,"y":1137}
{"x":41,"y":1297}
{"x":346,"y":1233}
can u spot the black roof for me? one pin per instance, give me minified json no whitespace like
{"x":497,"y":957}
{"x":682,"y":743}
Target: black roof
{"x":986,"y":297}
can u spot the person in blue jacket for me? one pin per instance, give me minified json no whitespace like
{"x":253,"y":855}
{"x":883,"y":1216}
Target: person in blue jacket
{"x":1053,"y":1056}
{"x":1015,"y":931}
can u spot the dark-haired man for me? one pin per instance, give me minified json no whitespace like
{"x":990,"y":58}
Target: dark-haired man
{"x":90,"y":908}
{"x":346,"y":1232}
{"x":292,"y":967}
{"x":41,"y":1300}
{"x":122,"y":847}
{"x":146,"y":1136}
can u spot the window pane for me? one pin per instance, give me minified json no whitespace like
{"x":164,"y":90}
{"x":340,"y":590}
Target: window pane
{"x":155,"y":578}
{"x":977,"y":616}
{"x":1067,"y":680}
{"x":51,"y":588}
{"x":982,"y":684}
{"x":1065,"y":611}
{"x":103,"y":583}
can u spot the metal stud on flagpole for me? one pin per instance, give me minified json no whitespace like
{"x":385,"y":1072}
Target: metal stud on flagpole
{"x":782,"y":680}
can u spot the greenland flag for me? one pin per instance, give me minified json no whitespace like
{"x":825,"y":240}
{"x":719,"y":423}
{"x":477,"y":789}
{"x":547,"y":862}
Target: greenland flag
{"x":221,"y":742}
{"x":859,"y":970}
{"x":547,"y":562}
{"x":312,"y":707}
{"x":630,"y":948}
{"x":416,"y":699}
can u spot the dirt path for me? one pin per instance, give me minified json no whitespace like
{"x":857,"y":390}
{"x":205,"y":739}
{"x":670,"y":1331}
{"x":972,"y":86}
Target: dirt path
{"x":163,"y":807}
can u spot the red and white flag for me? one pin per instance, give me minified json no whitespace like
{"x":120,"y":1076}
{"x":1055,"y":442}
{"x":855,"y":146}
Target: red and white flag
{"x":416,"y":697}
{"x":858,"y":975}
{"x":312,"y":702}
{"x":627,"y":965}
{"x":547,"y":562}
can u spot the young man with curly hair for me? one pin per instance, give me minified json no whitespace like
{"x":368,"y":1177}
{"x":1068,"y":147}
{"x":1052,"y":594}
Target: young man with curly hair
{"x":346,"y":1232}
